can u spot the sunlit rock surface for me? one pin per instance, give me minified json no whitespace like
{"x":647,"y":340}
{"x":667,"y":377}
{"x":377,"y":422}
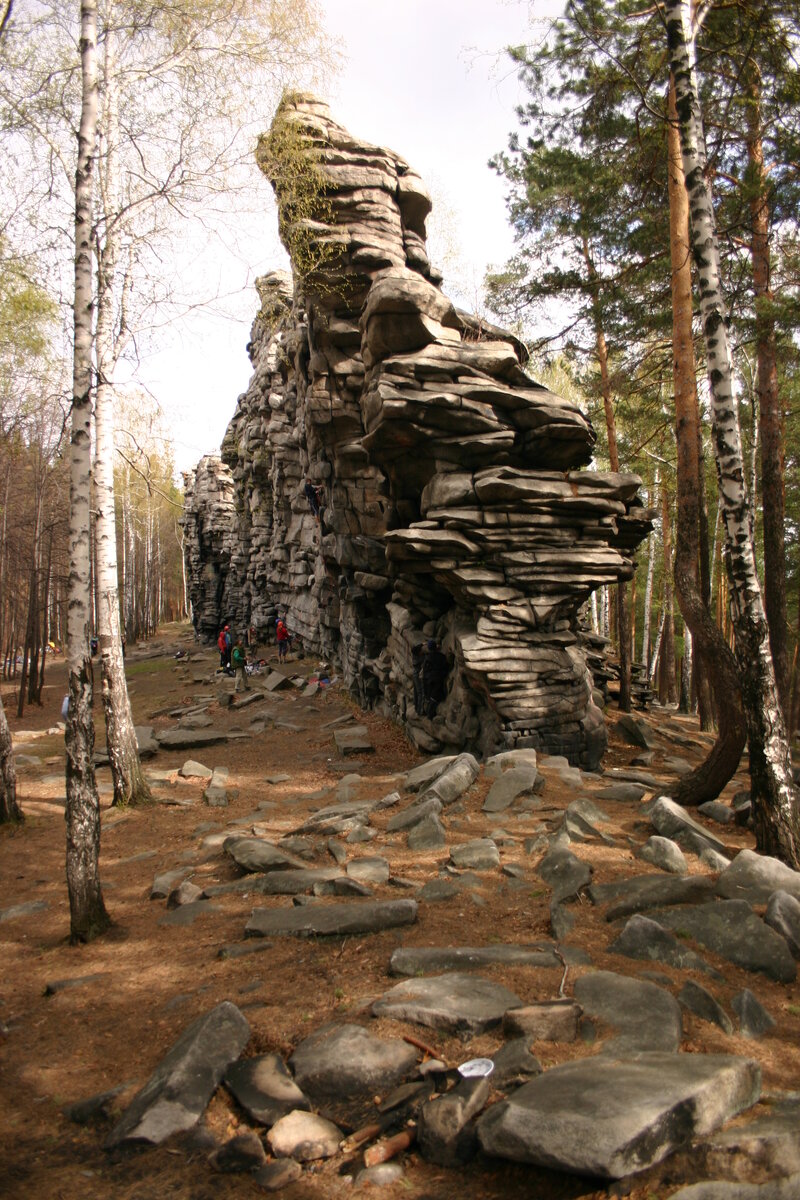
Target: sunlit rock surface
{"x":454,"y":503}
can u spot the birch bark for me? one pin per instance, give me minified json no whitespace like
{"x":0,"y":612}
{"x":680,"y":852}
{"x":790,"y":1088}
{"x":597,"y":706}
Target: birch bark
{"x":130,"y":786}
{"x":88,"y":916}
{"x":775,"y":801}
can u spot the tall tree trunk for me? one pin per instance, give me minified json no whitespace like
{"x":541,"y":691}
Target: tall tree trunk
{"x":9,"y":805}
{"x":769,"y":401}
{"x":667,"y":689}
{"x":88,"y":916}
{"x":130,"y":786}
{"x":775,"y":802}
{"x":710,"y":777}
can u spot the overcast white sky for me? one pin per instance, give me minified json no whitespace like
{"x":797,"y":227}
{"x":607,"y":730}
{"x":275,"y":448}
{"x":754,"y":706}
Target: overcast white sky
{"x":425,"y":77}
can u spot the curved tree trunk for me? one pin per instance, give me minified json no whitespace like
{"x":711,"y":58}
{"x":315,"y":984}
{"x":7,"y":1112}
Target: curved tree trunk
{"x":775,"y":803}
{"x":9,"y":805}
{"x":130,"y":786}
{"x":88,"y":916}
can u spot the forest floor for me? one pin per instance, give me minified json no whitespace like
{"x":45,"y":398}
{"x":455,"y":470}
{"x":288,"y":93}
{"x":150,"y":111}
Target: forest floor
{"x":119,"y":1003}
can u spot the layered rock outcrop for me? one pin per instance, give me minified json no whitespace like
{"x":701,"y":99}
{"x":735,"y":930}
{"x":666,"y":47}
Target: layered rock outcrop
{"x":453,"y":505}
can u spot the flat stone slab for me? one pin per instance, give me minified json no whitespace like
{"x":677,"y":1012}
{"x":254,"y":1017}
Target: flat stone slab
{"x":481,"y":854}
{"x":189,"y":739}
{"x":643,"y":892}
{"x":22,"y":910}
{"x":427,"y":772}
{"x":331,"y":919}
{"x":176,"y":1094}
{"x":459,"y":775}
{"x":772,"y":1140}
{"x":519,"y":781}
{"x":368,"y":870}
{"x":671,"y":820}
{"x":754,"y":877}
{"x":354,"y":739}
{"x":731,"y":929}
{"x":339,"y":1061}
{"x":264,"y":1088}
{"x":416,"y":960}
{"x":611,"y":1118}
{"x":259,"y":855}
{"x":776,"y":1189}
{"x":564,"y":872}
{"x":192,"y":769}
{"x":454,"y":1003}
{"x":622,"y":792}
{"x":646,"y":940}
{"x":644,"y":1016}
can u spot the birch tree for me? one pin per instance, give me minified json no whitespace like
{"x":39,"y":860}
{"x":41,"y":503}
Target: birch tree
{"x":775,"y":801}
{"x":9,"y":805}
{"x":88,"y":916}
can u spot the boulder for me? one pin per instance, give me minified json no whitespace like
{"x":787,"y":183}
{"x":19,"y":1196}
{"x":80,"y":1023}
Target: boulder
{"x":614,"y":1117}
{"x":331,"y":919}
{"x":731,"y":929}
{"x":754,"y":877}
{"x":264,"y":1088}
{"x":176,"y":1094}
{"x":642,"y":1016}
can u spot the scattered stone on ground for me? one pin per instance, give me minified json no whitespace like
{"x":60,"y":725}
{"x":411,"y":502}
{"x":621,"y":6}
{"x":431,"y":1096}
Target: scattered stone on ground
{"x":453,"y":1002}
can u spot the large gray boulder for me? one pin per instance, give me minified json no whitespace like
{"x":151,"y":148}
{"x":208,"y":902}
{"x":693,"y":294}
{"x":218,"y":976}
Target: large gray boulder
{"x":645,"y":939}
{"x":258,"y":855}
{"x":775,"y":1189}
{"x":671,"y":820}
{"x":783,"y":915}
{"x":346,"y":1061}
{"x":564,"y":872}
{"x":625,"y":897}
{"x":176,"y":1094}
{"x":613,"y":1117}
{"x":754,"y":877}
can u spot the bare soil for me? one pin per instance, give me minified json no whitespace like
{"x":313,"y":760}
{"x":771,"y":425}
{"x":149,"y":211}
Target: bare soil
{"x":151,"y":980}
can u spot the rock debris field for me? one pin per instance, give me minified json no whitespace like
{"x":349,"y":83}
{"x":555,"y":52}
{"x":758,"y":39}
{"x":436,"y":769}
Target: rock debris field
{"x":317,"y":933}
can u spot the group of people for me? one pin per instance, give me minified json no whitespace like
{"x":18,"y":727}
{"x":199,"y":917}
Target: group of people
{"x":233,"y":654}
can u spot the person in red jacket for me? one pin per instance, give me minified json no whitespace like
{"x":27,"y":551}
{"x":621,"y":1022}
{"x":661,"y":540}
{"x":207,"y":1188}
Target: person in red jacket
{"x":282,"y":637}
{"x":224,"y":644}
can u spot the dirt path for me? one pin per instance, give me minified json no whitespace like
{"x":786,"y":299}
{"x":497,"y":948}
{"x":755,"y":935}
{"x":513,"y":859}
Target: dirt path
{"x":145,"y":981}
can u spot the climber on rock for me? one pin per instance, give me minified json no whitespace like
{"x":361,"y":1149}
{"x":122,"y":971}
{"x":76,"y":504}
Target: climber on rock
{"x":435,"y":669}
{"x":313,"y":493}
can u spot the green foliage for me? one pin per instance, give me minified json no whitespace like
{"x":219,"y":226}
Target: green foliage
{"x":289,"y":155}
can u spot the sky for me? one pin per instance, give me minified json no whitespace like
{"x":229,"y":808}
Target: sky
{"x":426,"y":78}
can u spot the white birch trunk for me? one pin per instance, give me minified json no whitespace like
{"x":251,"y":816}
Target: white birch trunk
{"x":123,"y":751}
{"x":775,"y":802}
{"x":88,"y":915}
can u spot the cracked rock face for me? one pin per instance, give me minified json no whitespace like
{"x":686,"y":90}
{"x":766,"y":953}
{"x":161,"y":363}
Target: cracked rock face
{"x":452,"y":501}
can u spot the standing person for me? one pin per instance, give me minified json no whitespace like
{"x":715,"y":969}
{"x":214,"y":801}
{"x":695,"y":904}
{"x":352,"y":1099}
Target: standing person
{"x":223,"y":645}
{"x":239,"y":660}
{"x":435,"y":669}
{"x":282,"y":638}
{"x":252,"y":637}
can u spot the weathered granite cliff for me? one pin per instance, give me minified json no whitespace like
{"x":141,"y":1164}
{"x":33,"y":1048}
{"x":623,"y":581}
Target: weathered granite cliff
{"x":453,"y":503}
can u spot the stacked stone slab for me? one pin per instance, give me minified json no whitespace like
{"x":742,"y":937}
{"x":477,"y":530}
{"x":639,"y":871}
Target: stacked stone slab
{"x":211,"y":530}
{"x":454,"y":506}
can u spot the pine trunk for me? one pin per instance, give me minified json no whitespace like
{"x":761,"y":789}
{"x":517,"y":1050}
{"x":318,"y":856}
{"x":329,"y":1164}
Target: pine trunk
{"x":769,"y":402}
{"x":88,"y":916}
{"x":9,"y":805}
{"x":775,"y":801}
{"x":667,"y":686}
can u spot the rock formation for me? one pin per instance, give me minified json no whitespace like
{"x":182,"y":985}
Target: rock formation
{"x":453,"y":505}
